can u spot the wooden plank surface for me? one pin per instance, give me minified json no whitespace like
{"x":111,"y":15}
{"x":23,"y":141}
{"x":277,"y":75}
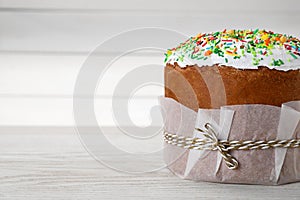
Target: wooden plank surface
{"x":27,"y":75}
{"x":37,"y":89}
{"x":195,"y":5}
{"x":56,"y":111}
{"x":76,"y":32}
{"x":80,"y":25}
{"x":51,"y":163}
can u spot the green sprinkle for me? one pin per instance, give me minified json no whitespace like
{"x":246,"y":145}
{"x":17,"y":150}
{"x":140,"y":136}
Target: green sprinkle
{"x":257,"y":45}
{"x":293,"y":55}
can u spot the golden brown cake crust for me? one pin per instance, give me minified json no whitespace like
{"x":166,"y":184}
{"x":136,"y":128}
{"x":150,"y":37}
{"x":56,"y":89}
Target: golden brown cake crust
{"x":216,"y":86}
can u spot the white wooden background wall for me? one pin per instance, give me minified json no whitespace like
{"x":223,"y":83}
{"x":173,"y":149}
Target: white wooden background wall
{"x":44,"y":43}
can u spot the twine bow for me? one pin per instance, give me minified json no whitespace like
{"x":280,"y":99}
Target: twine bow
{"x":211,"y":142}
{"x":214,"y":144}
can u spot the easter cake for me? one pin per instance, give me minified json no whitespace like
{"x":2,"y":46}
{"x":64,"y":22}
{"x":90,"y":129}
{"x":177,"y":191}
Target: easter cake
{"x":232,"y":107}
{"x":244,"y":67}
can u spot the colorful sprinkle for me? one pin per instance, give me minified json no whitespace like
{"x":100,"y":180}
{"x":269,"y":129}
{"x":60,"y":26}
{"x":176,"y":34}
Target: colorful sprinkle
{"x":208,"y":53}
{"x":236,"y":44}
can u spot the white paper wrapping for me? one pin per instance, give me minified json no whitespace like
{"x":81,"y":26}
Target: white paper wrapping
{"x":238,"y":122}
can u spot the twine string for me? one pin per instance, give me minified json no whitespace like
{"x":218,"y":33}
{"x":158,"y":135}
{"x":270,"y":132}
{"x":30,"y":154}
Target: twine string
{"x":211,"y":142}
{"x":210,"y":134}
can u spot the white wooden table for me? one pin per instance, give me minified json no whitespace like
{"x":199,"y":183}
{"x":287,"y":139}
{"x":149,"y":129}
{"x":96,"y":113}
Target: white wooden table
{"x":43,"y":45}
{"x":51,"y":163}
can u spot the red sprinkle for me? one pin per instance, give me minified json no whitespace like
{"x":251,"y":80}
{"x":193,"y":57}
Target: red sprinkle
{"x":288,"y":47}
{"x":297,"y":53}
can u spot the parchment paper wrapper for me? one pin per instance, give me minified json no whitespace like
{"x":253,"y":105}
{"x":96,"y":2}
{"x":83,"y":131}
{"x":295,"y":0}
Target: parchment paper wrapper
{"x":239,"y":122}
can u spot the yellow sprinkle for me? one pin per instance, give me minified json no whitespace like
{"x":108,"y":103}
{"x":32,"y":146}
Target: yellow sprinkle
{"x":169,"y":52}
{"x":283,"y":39}
{"x":199,"y":35}
{"x":264,"y":37}
{"x":230,"y":32}
{"x":231,"y":54}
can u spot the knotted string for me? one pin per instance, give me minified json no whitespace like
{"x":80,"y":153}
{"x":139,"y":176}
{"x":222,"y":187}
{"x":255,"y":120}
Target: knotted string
{"x":211,"y":142}
{"x":214,"y":143}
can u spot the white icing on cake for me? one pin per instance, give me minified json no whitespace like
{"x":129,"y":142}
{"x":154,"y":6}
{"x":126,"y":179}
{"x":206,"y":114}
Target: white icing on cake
{"x":250,"y":50}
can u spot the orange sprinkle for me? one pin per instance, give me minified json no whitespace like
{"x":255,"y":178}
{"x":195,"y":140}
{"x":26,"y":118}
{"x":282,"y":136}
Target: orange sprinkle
{"x":267,"y":42}
{"x":283,"y":39}
{"x":208,"y":53}
{"x":230,"y":32}
{"x":230,"y":53}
